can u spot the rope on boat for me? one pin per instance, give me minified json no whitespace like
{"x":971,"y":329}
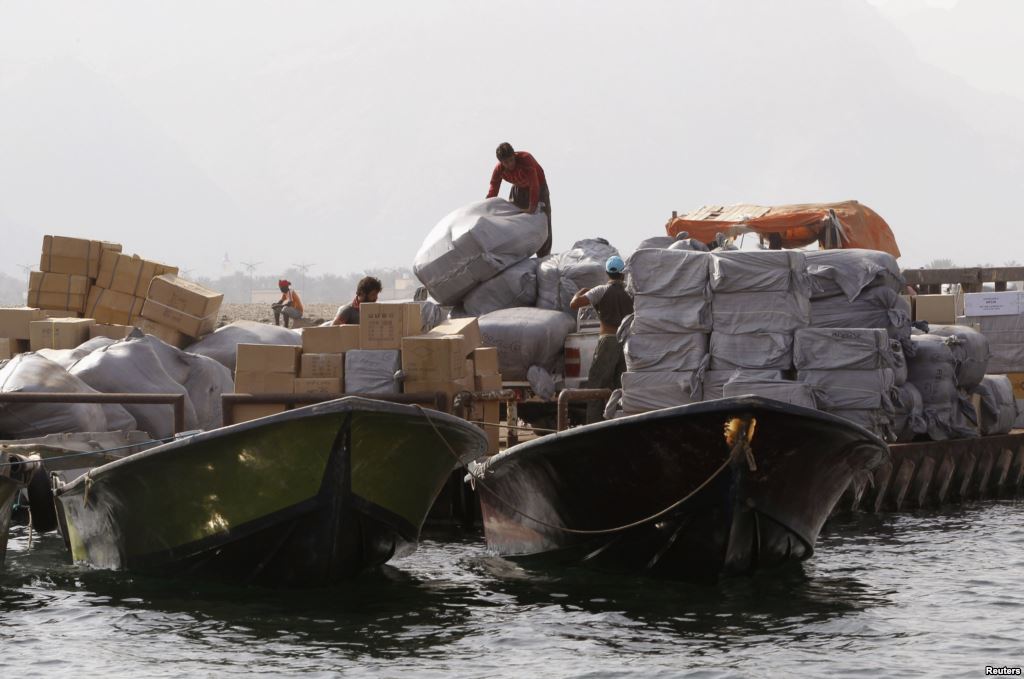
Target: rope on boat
{"x":510,"y":426}
{"x":86,"y":453}
{"x":741,"y":447}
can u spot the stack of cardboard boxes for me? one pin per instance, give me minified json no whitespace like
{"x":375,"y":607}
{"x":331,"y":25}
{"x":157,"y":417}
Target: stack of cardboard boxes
{"x":67,"y":269}
{"x":117,"y":296}
{"x":178,"y":311}
{"x":15,"y":330}
{"x":265,"y":369}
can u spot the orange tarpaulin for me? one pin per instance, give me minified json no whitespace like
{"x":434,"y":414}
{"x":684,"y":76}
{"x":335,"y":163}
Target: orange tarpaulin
{"x":797,"y":225}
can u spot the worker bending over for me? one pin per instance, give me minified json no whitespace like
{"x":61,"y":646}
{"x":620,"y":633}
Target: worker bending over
{"x":529,"y":186}
{"x":289,"y":307}
{"x":366,"y":291}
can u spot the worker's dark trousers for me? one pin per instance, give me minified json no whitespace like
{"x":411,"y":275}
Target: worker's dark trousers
{"x":605,"y":373}
{"x":520,"y":197}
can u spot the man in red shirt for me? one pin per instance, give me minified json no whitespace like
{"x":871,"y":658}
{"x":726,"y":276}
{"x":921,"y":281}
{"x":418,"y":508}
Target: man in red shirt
{"x":529,"y":186}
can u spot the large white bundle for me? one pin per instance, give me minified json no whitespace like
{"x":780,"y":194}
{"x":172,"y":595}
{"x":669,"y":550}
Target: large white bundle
{"x":560,"y":276}
{"x":669,"y":273}
{"x":899,"y":363}
{"x":373,"y":371}
{"x":222,"y":344}
{"x":970,"y":351}
{"x":908,"y":414}
{"x":877,"y":307}
{"x":526,"y":336}
{"x":759,"y":271}
{"x":932,"y":369}
{"x":653,"y":314}
{"x":756,"y":351}
{"x":998,"y":409}
{"x":852,"y":389}
{"x":786,"y":391}
{"x":656,"y":242}
{"x":645,"y":391}
{"x":33,"y":373}
{"x":66,"y":358}
{"x":665,"y":352}
{"x":204,"y":378}
{"x":714,"y":381}
{"x":843,"y":348}
{"x":742,"y":312}
{"x":515,"y":286}
{"x":849,"y":272}
{"x":134,"y":367}
{"x":476,"y":243}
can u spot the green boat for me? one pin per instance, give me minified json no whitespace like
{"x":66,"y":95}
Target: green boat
{"x":304,"y":498}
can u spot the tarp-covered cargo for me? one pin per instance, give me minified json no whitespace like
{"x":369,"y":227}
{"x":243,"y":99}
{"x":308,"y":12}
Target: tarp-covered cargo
{"x":222,"y":344}
{"x":373,"y":371}
{"x":561,"y":275}
{"x":755,"y":351}
{"x":745,"y":312}
{"x":786,"y":391}
{"x":652,"y":314}
{"x":516,"y":286}
{"x":714,"y":381}
{"x":843,"y":349}
{"x":970,"y":351}
{"x":759,"y":271}
{"x":645,"y":391}
{"x":998,"y":409}
{"x":850,"y":272}
{"x":665,"y":352}
{"x":33,"y":373}
{"x":526,"y":336}
{"x":852,"y":389}
{"x":878,"y":307}
{"x":669,"y":273}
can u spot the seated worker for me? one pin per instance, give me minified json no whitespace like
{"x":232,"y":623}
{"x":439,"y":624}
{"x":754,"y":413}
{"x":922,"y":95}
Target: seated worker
{"x":289,"y":306}
{"x":366,"y":291}
{"x":613,"y":303}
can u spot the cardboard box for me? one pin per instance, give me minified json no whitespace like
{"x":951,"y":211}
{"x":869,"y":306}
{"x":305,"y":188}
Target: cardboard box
{"x":992,"y":303}
{"x":60,"y":313}
{"x":57,"y":291}
{"x":382,"y":326}
{"x":59,"y":333}
{"x":1017,"y":380}
{"x":331,"y":339}
{"x":318,"y":385}
{"x":264,"y":383}
{"x":9,"y":348}
{"x":937,"y":309}
{"x":129,"y":274}
{"x":183,"y":305}
{"x":110,"y":330}
{"x":467,"y":327}
{"x":268,"y":358}
{"x":254,"y":411}
{"x":428,"y":358}
{"x":322,"y":365}
{"x":112,"y":307}
{"x":169,"y":335}
{"x":14,"y":321}
{"x":73,"y":255}
{"x":487,"y":416}
{"x":485,"y":361}
{"x":487,"y":382}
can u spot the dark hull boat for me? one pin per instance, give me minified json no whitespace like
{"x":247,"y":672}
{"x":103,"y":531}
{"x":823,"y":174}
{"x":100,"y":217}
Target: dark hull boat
{"x":8,"y":493}
{"x":716,"y":488}
{"x":304,"y":498}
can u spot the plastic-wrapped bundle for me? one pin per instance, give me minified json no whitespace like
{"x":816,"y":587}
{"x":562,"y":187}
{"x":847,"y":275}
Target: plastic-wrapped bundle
{"x":878,"y":307}
{"x":970,"y":351}
{"x":476,"y":243}
{"x":998,"y":409}
{"x":843,"y":349}
{"x":665,"y":352}
{"x":656,"y":242}
{"x":908,"y":419}
{"x":850,"y":272}
{"x":526,"y":336}
{"x":669,"y":273}
{"x":560,"y":276}
{"x":33,"y":373}
{"x":759,"y":271}
{"x":852,"y":389}
{"x":515,"y":286}
{"x":899,"y":363}
{"x":786,"y":391}
{"x":932,"y":370}
{"x":714,"y":381}
{"x":688,"y":244}
{"x":373,"y":371}
{"x":222,"y":344}
{"x":756,"y":351}
{"x":744,"y":312}
{"x":66,"y":358}
{"x":878,"y":422}
{"x":652,"y":314}
{"x":645,"y":391}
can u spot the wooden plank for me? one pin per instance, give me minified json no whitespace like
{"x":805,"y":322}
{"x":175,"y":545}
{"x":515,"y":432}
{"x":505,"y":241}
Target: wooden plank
{"x":965,"y":276}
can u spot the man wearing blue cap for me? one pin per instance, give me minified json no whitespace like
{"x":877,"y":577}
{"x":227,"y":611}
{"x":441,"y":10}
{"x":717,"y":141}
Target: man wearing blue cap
{"x":612,"y":303}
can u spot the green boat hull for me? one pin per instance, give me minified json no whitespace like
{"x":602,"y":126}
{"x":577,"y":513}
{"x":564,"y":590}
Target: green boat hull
{"x":304,"y":498}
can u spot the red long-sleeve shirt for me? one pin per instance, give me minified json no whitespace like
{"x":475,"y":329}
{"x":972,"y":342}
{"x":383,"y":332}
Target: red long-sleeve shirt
{"x":526,"y":174}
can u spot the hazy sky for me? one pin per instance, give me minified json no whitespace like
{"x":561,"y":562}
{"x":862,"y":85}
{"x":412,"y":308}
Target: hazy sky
{"x":338,"y":133}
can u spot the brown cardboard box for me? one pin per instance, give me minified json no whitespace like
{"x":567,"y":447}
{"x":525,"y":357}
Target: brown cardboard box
{"x":110,"y":330}
{"x":129,"y":274}
{"x":485,"y":361}
{"x":9,"y":348}
{"x":73,"y":255}
{"x":322,"y":365}
{"x":163,"y":333}
{"x":60,"y":313}
{"x":937,"y":309}
{"x":487,"y":382}
{"x":428,"y":358}
{"x":183,"y":305}
{"x":268,"y":358}
{"x":59,"y":333}
{"x":318,"y":385}
{"x":110,"y":306}
{"x":57,"y":291}
{"x":264,"y":383}
{"x":467,"y":327}
{"x":254,"y":411}
{"x":1017,"y":380}
{"x":382,"y":326}
{"x":331,"y":339}
{"x":14,"y":321}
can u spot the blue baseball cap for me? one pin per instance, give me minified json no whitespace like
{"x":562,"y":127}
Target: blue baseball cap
{"x":614,"y":264}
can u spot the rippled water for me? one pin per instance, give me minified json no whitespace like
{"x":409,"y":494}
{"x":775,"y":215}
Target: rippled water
{"x":937,"y":593}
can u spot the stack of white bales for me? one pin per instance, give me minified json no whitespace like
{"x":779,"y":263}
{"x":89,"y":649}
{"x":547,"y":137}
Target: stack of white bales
{"x":561,"y":275}
{"x":666,"y":340}
{"x":933,"y":371}
{"x":971,"y":353}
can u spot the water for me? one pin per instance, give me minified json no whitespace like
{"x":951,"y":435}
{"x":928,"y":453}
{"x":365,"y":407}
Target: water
{"x":934,"y":592}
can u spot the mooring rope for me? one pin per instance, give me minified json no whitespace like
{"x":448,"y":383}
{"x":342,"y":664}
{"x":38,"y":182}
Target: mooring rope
{"x":81,"y":454}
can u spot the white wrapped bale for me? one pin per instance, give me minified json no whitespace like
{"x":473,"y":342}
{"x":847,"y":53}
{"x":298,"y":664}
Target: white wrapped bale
{"x":759,"y":271}
{"x":665,"y":352}
{"x":669,"y":273}
{"x":998,"y":409}
{"x":970,"y":351}
{"x":714,"y":381}
{"x":899,"y":363}
{"x":560,"y":276}
{"x":843,"y":349}
{"x":932,"y":370}
{"x":737,"y":313}
{"x":526,"y":336}
{"x":877,"y":307}
{"x":850,"y":272}
{"x":653,"y":314}
{"x":656,"y":242}
{"x":222,"y":344}
{"x":852,"y":389}
{"x":786,"y":391}
{"x":32,"y":373}
{"x":646,"y":391}
{"x":908,"y":414}
{"x":754,"y":351}
{"x":373,"y":371}
{"x":515,"y":286}
{"x":474,"y":244}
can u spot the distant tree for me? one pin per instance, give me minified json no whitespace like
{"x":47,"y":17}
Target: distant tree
{"x":1012,"y":262}
{"x":941,"y":264}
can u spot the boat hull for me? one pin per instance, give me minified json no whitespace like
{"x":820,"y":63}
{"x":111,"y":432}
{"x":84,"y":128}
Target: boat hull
{"x":8,"y":492}
{"x":716,"y":511}
{"x":304,"y":498}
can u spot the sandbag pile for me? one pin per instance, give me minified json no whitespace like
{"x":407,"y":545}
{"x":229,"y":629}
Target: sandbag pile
{"x":561,"y":275}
